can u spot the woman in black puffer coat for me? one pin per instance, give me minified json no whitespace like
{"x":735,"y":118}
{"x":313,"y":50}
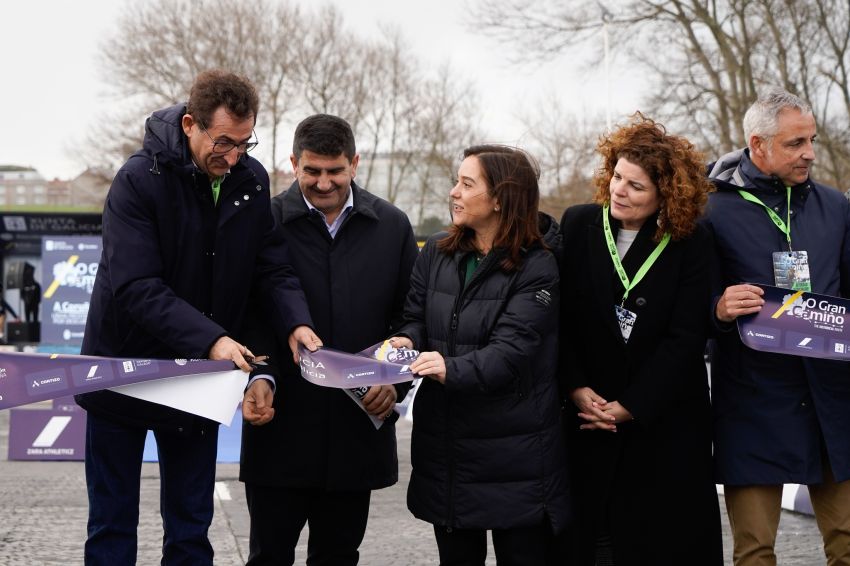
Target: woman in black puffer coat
{"x":487,"y":448}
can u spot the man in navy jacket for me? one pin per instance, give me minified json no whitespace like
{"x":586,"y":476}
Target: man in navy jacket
{"x":187,"y":229}
{"x":321,"y":456}
{"x":778,"y":418}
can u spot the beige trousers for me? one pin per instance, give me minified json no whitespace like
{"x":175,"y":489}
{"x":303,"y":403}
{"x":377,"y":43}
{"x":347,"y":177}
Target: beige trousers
{"x":754,"y":517}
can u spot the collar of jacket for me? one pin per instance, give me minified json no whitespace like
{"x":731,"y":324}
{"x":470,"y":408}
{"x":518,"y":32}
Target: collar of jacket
{"x":747,"y":176}
{"x":295,"y":207}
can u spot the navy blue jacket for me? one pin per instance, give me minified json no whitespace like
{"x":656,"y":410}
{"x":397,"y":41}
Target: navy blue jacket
{"x":774,"y":413}
{"x":176,"y":269}
{"x":355,"y":285}
{"x":487,"y":446}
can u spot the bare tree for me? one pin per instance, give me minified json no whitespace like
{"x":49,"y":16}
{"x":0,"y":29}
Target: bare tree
{"x":406,"y":117}
{"x":446,"y":123}
{"x":708,"y":59}
{"x":158,"y":48}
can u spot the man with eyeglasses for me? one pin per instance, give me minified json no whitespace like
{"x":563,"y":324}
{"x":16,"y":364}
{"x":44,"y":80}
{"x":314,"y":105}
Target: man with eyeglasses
{"x":187,"y":231}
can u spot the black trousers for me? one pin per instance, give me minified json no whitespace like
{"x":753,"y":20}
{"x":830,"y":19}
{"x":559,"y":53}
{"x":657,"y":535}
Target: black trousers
{"x":336,"y":519}
{"x":527,"y":546}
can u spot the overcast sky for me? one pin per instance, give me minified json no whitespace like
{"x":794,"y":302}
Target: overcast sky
{"x":51,"y":90}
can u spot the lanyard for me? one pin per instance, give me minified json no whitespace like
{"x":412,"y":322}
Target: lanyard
{"x":784,"y":227}
{"x":216,"y":187}
{"x":615,"y":257}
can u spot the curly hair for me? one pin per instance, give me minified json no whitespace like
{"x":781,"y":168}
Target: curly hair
{"x":215,"y":88}
{"x":672,"y":163}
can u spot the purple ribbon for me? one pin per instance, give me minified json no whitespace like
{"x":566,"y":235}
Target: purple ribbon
{"x":28,"y":378}
{"x":333,"y":368}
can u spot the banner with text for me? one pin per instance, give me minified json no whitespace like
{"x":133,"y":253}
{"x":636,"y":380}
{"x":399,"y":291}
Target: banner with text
{"x":68,"y":265}
{"x":798,"y":323}
{"x":376,"y":365}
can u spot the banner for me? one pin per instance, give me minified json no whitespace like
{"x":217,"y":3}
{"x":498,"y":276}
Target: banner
{"x":68,"y":267}
{"x":798,"y":323}
{"x":376,"y":365}
{"x":28,"y":378}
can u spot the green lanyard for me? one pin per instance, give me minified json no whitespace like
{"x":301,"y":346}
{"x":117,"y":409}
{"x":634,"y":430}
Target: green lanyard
{"x":615,"y":257}
{"x":783,"y":227}
{"x":216,"y":188}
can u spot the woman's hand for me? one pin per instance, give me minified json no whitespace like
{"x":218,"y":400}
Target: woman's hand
{"x":619,"y":412}
{"x":592,"y":408}
{"x":430,"y":364}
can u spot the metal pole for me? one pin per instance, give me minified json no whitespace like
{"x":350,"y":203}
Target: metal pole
{"x":607,"y":74}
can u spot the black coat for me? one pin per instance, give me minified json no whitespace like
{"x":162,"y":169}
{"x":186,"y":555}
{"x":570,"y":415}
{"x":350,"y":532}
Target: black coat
{"x":176,"y":270}
{"x":653,"y":476}
{"x":355,"y":285}
{"x":487,"y":447}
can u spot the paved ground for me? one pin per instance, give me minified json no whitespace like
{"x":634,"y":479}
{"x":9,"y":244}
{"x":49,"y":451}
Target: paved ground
{"x":43,"y":512}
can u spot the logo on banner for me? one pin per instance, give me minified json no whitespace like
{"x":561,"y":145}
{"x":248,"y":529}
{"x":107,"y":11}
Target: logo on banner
{"x":50,"y":380}
{"x":51,"y":431}
{"x":84,"y":374}
{"x":72,"y":274}
{"x":820,"y":313}
{"x":359,"y":372}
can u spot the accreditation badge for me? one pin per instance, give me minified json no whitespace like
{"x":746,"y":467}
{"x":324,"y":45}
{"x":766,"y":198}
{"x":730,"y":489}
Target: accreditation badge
{"x":791,"y":270}
{"x":626,"y":320}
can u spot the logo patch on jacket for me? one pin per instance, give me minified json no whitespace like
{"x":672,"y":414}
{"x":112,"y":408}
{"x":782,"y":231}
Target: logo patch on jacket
{"x":544,"y":297}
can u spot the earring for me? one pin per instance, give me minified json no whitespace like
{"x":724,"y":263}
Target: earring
{"x":496,"y":209}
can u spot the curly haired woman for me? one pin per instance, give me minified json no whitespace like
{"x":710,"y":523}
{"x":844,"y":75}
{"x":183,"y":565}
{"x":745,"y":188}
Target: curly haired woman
{"x":635,"y":296}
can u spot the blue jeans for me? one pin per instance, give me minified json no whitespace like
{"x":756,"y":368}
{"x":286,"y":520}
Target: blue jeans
{"x":113,"y":475}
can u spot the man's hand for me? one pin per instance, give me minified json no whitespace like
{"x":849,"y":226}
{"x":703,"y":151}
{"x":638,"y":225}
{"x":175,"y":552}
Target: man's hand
{"x":257,"y":403}
{"x":739,"y":300}
{"x":226,"y":348}
{"x":380,"y":400}
{"x":303,"y":335}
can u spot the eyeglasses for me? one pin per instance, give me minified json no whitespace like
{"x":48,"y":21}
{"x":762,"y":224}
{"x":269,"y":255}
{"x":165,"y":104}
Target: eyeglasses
{"x":222,"y":147}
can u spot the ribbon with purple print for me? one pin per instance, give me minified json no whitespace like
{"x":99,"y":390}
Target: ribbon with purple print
{"x":376,"y":365}
{"x":28,"y":378}
{"x":798,"y":323}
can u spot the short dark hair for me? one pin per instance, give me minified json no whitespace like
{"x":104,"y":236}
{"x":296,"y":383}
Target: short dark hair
{"x":215,"y":88}
{"x":324,"y":134}
{"x":511,"y":176}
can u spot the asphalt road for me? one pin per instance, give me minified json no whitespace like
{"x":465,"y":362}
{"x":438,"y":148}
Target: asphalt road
{"x":43,"y":507}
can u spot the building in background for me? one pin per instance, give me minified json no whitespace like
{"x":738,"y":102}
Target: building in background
{"x":22,"y":186}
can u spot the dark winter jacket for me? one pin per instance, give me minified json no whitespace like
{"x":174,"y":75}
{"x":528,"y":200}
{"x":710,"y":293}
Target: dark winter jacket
{"x":487,"y":447}
{"x":775,"y":413}
{"x":176,"y":269}
{"x":355,"y":285}
{"x":636,"y":483}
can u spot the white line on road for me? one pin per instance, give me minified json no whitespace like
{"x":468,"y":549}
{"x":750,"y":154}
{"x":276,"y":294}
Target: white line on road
{"x":222,"y":492}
